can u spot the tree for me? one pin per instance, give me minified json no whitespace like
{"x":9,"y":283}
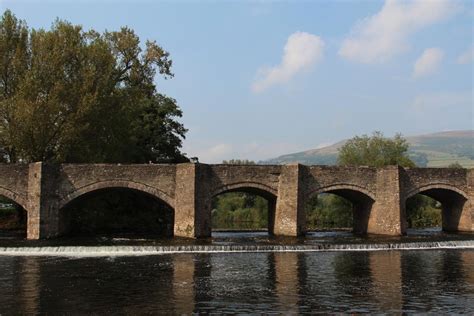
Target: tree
{"x":455,"y":165}
{"x":375,"y":151}
{"x":69,"y":95}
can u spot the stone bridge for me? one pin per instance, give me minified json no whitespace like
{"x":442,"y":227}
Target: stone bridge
{"x":378,"y":195}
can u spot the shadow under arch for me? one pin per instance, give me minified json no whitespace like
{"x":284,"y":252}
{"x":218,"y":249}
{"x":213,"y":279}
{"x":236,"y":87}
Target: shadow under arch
{"x":14,"y":197}
{"x":360,"y":198}
{"x":116,"y":185}
{"x":140,"y":195}
{"x":257,"y":189}
{"x":13,"y":215}
{"x":454,"y":213}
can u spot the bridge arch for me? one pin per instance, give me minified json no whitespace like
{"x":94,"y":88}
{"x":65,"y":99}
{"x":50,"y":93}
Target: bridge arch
{"x":14,"y":197}
{"x":340,"y":188}
{"x":250,"y":187}
{"x":361,"y":199}
{"x":435,"y":186}
{"x":14,"y":221}
{"x":123,"y":206}
{"x":455,"y":212}
{"x":256,"y":189}
{"x":96,"y":186}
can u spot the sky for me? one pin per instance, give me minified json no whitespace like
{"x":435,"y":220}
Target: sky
{"x":258,"y":79}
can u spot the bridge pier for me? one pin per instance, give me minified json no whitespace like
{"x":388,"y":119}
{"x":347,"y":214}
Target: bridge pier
{"x":387,"y":216}
{"x":43,"y":216}
{"x":466,"y":220}
{"x":192,"y":217}
{"x":290,"y":214}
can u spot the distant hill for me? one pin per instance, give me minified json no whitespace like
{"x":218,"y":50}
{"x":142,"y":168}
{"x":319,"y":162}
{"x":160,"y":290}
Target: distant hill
{"x":430,"y":150}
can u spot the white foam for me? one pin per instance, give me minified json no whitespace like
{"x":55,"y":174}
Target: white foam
{"x":108,"y":251}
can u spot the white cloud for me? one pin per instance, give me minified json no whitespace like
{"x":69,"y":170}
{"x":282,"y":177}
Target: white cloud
{"x":302,"y":50}
{"x":428,"y":63}
{"x":467,"y":57}
{"x":381,"y":36}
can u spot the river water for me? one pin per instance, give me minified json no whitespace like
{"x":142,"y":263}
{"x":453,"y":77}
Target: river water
{"x":295,"y":281}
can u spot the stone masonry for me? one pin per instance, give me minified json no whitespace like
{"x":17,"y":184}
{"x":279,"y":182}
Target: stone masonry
{"x":378,"y":195}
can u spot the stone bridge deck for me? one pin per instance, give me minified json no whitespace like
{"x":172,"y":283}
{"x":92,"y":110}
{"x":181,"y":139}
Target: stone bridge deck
{"x":378,"y":195}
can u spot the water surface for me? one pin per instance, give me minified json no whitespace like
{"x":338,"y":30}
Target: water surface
{"x":409,"y":281}
{"x":440,"y":281}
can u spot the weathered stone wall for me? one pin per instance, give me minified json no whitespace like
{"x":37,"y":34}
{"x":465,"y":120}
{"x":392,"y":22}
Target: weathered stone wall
{"x":417,"y":180}
{"x":450,"y":186}
{"x":198,"y":184}
{"x":225,"y":178}
{"x":78,"y":179}
{"x":290,"y":217}
{"x":43,"y":211}
{"x":356,"y":184}
{"x":378,"y":195}
{"x":14,"y":183}
{"x":387,"y":215}
{"x":185,"y":203}
{"x":319,"y":179}
{"x":468,"y":208}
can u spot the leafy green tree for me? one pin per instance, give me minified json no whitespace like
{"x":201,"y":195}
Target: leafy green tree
{"x":69,"y":95}
{"x":326,"y":211}
{"x":455,"y":165}
{"x":423,"y":211}
{"x":72,"y":95}
{"x":375,"y":151}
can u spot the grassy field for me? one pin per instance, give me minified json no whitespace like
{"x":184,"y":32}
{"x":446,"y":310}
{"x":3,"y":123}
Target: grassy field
{"x":443,"y":159}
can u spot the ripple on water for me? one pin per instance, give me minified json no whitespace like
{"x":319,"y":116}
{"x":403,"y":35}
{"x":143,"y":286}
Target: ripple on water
{"x":440,"y":281}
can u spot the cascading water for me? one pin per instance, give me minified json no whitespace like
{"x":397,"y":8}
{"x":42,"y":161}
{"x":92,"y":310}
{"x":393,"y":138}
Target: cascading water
{"x":231,"y":243}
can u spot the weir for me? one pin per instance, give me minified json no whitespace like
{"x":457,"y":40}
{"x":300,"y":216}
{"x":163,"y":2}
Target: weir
{"x":107,"y":251}
{"x":379,"y":195}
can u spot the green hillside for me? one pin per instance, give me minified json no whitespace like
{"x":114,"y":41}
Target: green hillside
{"x":430,"y":150}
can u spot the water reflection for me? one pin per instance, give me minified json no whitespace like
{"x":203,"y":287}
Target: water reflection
{"x":288,"y":283}
{"x":288,"y":276}
{"x":386,"y":275}
{"x":183,"y":283}
{"x":30,"y":285}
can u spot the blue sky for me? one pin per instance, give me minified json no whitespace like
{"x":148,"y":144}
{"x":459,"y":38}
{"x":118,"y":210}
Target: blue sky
{"x":257,"y":79}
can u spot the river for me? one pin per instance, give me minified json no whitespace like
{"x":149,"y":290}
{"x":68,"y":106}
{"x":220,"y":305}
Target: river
{"x":436,"y":280}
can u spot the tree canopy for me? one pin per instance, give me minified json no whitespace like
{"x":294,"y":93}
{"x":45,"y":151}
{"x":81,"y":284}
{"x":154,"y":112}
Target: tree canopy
{"x":455,"y":165}
{"x":375,"y":151}
{"x":70,"y":95}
